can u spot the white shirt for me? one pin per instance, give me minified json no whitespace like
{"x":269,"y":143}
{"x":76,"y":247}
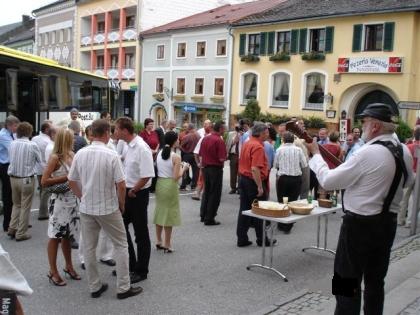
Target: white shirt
{"x":24,"y":156}
{"x":48,"y":151}
{"x":98,"y":169}
{"x":42,"y":141}
{"x":289,"y":160}
{"x":165,"y":167}
{"x":366,"y":176}
{"x":138,"y":162}
{"x":201,"y":132}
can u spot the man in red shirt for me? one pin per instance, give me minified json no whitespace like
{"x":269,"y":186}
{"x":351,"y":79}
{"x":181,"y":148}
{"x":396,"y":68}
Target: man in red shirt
{"x":213,"y":155}
{"x":187,"y":146}
{"x":253,"y":182}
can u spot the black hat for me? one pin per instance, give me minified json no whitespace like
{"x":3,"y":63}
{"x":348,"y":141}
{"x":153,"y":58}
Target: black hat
{"x":380,"y":111}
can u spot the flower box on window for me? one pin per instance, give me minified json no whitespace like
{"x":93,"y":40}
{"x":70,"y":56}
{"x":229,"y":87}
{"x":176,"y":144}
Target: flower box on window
{"x":197,"y":98}
{"x":179,"y":97}
{"x":217,"y":99}
{"x":313,"y":56}
{"x":283,"y":56}
{"x":250,"y":58}
{"x":159,"y":97}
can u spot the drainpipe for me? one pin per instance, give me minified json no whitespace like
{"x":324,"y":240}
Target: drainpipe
{"x":229,"y":111}
{"x":137,"y":114}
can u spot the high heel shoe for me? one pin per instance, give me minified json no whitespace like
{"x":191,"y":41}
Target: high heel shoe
{"x":56,"y":282}
{"x":159,"y":247}
{"x":168,"y":250}
{"x":73,"y":275}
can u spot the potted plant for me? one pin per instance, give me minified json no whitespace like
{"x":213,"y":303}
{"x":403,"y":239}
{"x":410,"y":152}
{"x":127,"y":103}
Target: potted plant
{"x":280,"y":56}
{"x":313,"y":56}
{"x":250,"y":58}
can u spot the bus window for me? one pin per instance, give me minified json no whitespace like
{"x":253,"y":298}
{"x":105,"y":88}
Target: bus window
{"x":12,"y":96}
{"x":43,"y":93}
{"x":96,"y":98}
{"x":3,"y":99}
{"x":52,"y":92}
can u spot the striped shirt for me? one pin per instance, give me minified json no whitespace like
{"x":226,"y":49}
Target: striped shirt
{"x":24,"y":156}
{"x":289,"y":160}
{"x":42,"y":141}
{"x":98,"y":169}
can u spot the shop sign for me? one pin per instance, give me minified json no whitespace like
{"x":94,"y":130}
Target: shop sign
{"x":189,"y":108}
{"x":370,"y":65}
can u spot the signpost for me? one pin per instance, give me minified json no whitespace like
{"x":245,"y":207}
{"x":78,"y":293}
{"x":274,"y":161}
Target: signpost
{"x":189,"y":108}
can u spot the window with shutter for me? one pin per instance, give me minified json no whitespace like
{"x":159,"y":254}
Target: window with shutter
{"x":329,"y":39}
{"x":389,"y":36}
{"x":302,"y":40}
{"x":294,"y":42}
{"x":263,"y":45}
{"x":254,"y":44}
{"x":283,"y":42}
{"x":242,"y":43}
{"x":357,"y":37}
{"x":270,"y":43}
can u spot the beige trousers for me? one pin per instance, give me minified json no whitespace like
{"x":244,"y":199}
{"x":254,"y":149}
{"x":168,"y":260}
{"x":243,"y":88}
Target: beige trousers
{"x":22,"y":193}
{"x":113,"y":226}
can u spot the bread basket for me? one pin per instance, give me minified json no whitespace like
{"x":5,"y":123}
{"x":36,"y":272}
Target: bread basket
{"x":299,"y":207}
{"x":259,"y":207}
{"x":324,"y":203}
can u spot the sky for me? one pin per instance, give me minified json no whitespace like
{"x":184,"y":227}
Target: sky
{"x":12,"y":11}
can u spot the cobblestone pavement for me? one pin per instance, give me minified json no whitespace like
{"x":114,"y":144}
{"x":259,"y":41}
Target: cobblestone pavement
{"x":412,"y":309}
{"x":306,"y":302}
{"x":406,"y":249}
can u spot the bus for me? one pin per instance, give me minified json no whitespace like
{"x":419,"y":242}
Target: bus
{"x":35,"y":89}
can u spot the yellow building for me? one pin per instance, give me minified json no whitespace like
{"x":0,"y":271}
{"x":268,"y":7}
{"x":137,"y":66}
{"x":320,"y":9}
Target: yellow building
{"x":302,"y":60}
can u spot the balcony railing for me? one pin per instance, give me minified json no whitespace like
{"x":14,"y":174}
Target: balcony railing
{"x":128,"y":74}
{"x":99,"y":71}
{"x":99,"y":38}
{"x":112,"y":36}
{"x":129,"y":34}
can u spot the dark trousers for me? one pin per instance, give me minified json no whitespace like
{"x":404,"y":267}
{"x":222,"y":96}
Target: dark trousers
{"x":186,"y":179}
{"x":363,"y":252}
{"x":288,"y":186}
{"x":136,"y":213}
{"x":313,"y":184}
{"x":154,"y":180}
{"x":213,"y":181}
{"x":6,"y":195}
{"x":248,"y":193}
{"x":233,"y":163}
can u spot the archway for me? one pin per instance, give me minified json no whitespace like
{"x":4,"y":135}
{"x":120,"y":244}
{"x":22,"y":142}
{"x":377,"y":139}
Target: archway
{"x":376,"y":96}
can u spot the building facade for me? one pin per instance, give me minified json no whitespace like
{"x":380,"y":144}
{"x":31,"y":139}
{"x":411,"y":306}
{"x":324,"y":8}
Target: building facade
{"x":331,"y":66}
{"x":20,"y":35}
{"x":54,"y":31}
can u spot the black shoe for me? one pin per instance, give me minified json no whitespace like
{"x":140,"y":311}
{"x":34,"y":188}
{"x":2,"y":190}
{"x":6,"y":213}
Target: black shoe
{"x":29,"y":226}
{"x":109,"y":262}
{"x":134,"y":277}
{"x":213,"y":222}
{"x":267,"y":242}
{"x":202,"y":220}
{"x":83,"y":266}
{"x":233,"y":191}
{"x":74,"y":244}
{"x":43,"y":218}
{"x":131,"y":292}
{"x":98,"y":293}
{"x":244,"y":244}
{"x":114,"y":273}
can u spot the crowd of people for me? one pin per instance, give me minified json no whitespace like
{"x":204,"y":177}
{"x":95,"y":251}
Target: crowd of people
{"x":103,"y":175}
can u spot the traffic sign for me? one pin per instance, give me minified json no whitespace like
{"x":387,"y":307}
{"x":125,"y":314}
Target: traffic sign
{"x":189,"y":108}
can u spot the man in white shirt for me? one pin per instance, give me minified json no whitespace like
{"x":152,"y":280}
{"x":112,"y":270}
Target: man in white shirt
{"x":42,"y":141}
{"x":373,"y":179}
{"x":97,"y":178}
{"x":139,"y":170}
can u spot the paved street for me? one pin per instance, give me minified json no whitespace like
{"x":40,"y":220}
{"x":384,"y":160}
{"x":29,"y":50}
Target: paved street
{"x":205,"y":275}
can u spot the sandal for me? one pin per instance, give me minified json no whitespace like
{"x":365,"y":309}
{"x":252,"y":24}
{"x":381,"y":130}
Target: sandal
{"x":159,"y":247}
{"x":58,"y":283}
{"x":73,"y":275}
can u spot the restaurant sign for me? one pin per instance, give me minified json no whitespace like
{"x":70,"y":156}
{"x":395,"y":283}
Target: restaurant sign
{"x":370,"y":65}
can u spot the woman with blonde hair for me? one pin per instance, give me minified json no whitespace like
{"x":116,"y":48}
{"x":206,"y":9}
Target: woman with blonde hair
{"x":63,"y":207}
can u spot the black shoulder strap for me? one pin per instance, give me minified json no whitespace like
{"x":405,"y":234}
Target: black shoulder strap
{"x":400,"y":169}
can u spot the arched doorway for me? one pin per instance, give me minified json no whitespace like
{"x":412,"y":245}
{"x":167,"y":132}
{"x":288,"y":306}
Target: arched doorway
{"x":376,"y":96}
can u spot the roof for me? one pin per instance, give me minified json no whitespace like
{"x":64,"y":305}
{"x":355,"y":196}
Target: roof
{"x":290,"y":10}
{"x":20,"y":36}
{"x":219,"y":16}
{"x":9,"y":27}
{"x":49,"y":5}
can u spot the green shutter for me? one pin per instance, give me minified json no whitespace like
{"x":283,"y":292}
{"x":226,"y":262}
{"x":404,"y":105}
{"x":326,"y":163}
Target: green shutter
{"x":294,"y":41}
{"x":242,"y":43}
{"x":329,"y":39}
{"x":302,"y":40}
{"x":389,"y":36}
{"x":357,"y":37}
{"x":263,"y":43}
{"x":270,"y":43}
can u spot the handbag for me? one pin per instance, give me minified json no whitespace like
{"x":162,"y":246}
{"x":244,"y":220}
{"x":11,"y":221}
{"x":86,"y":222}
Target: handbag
{"x":59,"y":188}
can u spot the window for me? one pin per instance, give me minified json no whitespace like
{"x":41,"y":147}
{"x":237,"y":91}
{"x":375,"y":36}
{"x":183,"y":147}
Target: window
{"x":281,"y":83}
{"x":182,"y":48}
{"x":254,"y":44}
{"x":101,"y":27}
{"x":199,"y":86}
{"x":315,"y":87}
{"x":159,"y":85}
{"x":201,"y":49}
{"x":115,"y":23}
{"x":130,"y":21}
{"x":219,"y":85}
{"x":374,"y":36}
{"x":114,"y":61}
{"x":129,"y":61}
{"x":180,"y":86}
{"x":317,"y":40}
{"x":99,"y":62}
{"x":249,"y":87}
{"x":160,"y":54}
{"x":283,"y":42}
{"x":221,"y":47}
